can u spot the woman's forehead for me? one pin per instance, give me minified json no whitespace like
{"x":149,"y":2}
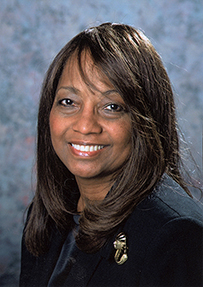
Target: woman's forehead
{"x":86,"y":69}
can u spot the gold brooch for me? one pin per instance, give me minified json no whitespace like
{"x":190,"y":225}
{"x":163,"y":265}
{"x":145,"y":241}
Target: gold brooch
{"x":121,"y":248}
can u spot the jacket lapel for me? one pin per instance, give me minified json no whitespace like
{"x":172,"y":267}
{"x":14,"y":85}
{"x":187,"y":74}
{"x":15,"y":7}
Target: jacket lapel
{"x":81,"y":268}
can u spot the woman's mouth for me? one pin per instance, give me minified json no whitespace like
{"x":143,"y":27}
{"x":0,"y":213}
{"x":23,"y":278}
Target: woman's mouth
{"x":87,"y":148}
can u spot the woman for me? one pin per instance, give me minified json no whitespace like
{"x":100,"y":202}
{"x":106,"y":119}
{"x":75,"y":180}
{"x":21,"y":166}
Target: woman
{"x":111,"y":207}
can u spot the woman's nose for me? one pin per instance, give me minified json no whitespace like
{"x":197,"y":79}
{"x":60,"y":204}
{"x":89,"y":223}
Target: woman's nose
{"x":87,"y":123}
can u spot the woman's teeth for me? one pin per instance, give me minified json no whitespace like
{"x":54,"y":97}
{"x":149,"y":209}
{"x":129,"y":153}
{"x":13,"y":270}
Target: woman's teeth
{"x":87,"y":147}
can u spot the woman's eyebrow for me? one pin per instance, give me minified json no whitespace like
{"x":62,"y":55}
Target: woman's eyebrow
{"x":70,"y":89}
{"x":108,"y":92}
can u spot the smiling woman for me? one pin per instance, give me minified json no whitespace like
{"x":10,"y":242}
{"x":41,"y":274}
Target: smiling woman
{"x":111,"y":206}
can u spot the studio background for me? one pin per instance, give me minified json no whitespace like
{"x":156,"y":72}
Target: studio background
{"x":31,"y":33}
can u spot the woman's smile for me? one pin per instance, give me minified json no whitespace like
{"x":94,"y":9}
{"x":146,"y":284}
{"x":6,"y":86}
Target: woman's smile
{"x":86,"y":150}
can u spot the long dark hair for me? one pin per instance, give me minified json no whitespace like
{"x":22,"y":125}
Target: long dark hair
{"x":126,"y":56}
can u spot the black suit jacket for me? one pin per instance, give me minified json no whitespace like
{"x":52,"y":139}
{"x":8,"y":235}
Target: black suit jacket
{"x":165,"y":248}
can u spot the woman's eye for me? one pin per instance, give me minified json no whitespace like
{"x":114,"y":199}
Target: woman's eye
{"x":114,"y":108}
{"x":66,"y":102}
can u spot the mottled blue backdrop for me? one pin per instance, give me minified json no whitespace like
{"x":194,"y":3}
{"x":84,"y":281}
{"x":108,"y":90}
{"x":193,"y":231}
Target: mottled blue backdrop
{"x":31,"y":33}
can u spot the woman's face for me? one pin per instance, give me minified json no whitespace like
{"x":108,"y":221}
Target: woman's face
{"x":90,"y":128}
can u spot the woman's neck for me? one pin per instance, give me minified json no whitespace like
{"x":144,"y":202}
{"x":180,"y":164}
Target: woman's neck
{"x":93,"y":189}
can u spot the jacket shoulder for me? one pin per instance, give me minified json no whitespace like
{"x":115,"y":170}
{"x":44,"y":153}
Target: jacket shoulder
{"x":165,"y":233}
{"x":168,"y":202}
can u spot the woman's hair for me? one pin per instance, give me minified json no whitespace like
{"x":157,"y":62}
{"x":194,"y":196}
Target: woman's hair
{"x":126,"y":56}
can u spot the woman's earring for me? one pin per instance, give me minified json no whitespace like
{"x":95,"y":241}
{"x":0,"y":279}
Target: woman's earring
{"x":121,"y":247}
